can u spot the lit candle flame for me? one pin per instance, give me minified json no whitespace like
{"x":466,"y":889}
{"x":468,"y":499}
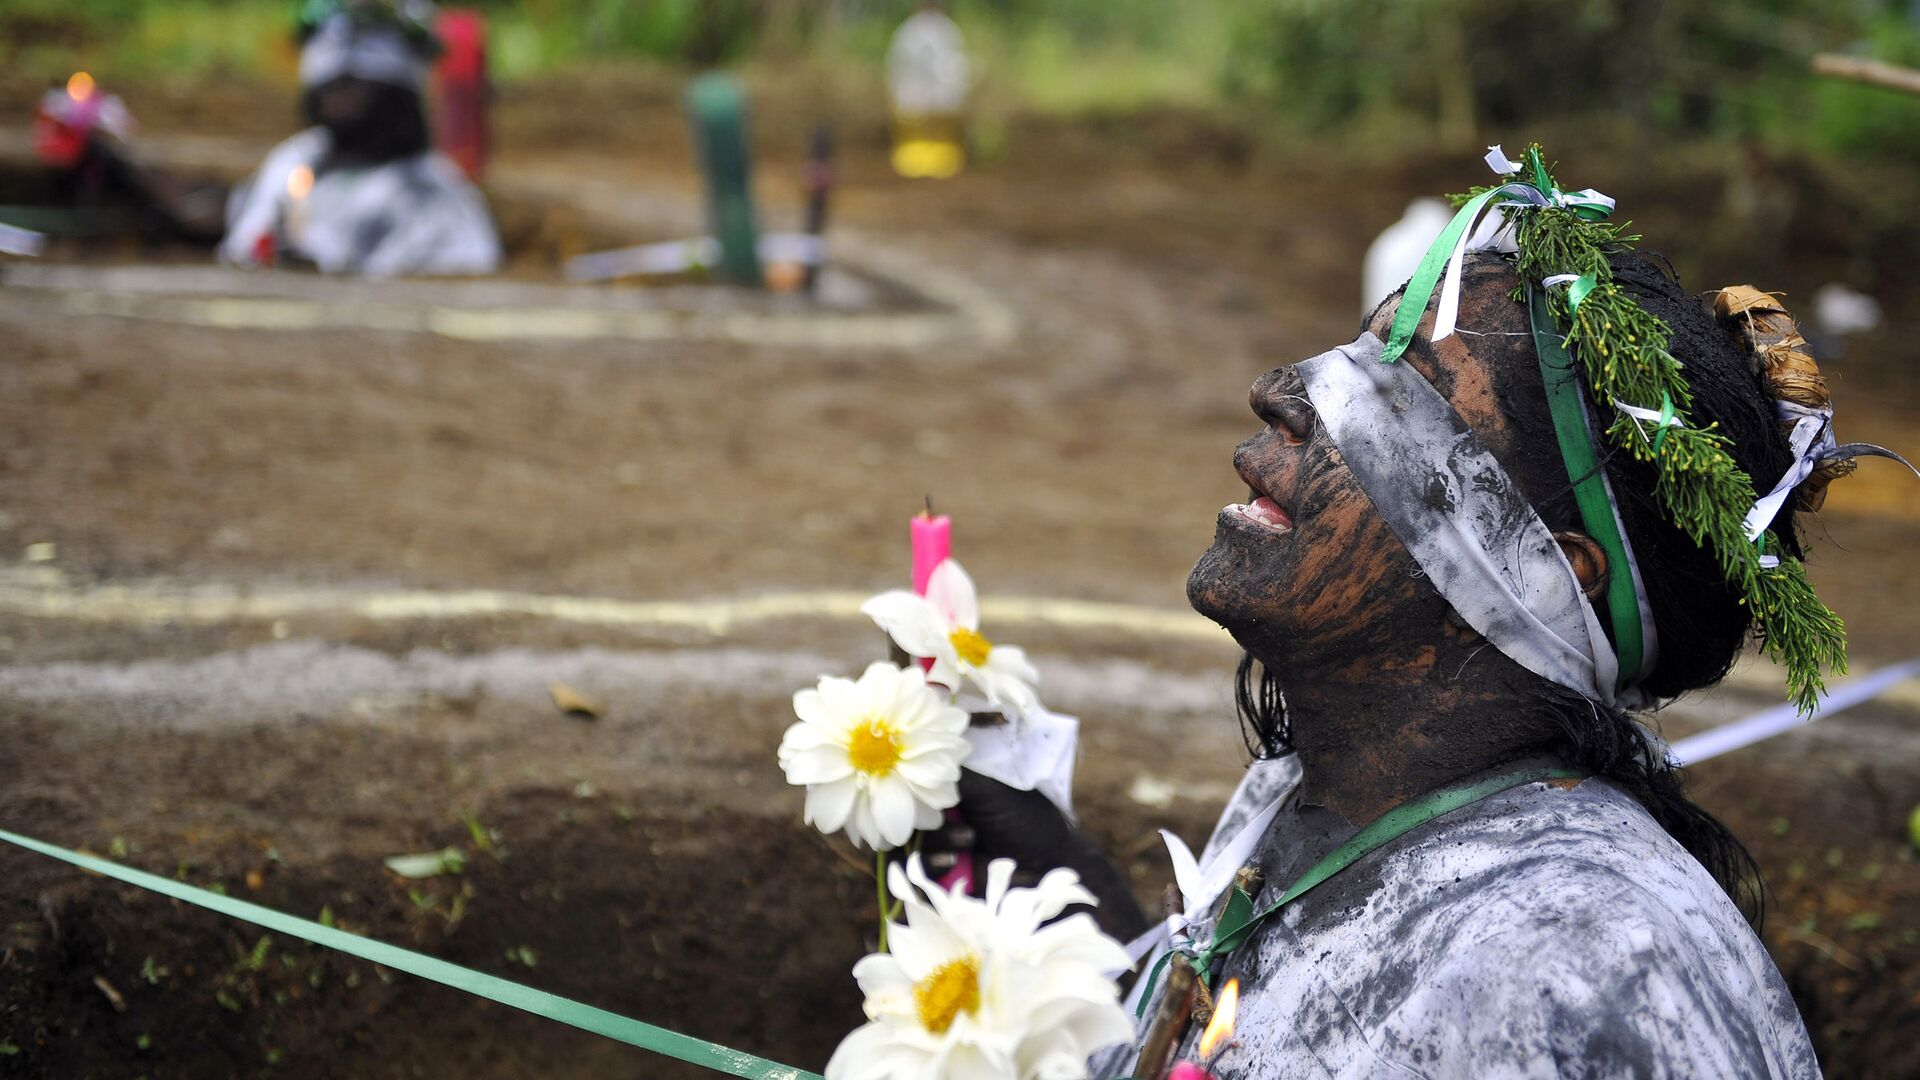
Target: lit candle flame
{"x":299,"y":182}
{"x":80,"y":86}
{"x":1220,"y":1028}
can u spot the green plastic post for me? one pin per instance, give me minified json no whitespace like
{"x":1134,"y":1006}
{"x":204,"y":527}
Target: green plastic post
{"x":718,"y":112}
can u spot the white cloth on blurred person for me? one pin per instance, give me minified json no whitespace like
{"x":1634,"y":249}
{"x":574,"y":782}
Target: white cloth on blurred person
{"x":363,"y":191}
{"x":416,"y":215}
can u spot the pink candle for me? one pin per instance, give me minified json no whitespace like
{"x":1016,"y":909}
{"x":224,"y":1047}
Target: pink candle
{"x":932,"y":543}
{"x":1187,"y":1070}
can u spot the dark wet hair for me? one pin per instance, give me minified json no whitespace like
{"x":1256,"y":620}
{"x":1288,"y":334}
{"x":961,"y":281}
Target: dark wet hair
{"x":390,"y":124}
{"x":1698,"y":616}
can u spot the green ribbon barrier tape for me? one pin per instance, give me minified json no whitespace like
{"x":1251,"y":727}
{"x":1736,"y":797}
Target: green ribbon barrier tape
{"x":538,"y":1002}
{"x":1590,"y":492}
{"x":1240,"y":918}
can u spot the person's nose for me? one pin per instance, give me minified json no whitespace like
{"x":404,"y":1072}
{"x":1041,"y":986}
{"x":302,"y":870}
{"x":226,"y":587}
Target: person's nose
{"x":1277,"y":401}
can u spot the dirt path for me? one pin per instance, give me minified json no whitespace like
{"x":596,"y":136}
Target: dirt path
{"x":651,"y":860}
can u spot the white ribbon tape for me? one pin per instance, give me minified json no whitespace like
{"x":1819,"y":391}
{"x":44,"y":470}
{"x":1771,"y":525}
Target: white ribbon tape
{"x":1812,"y":442}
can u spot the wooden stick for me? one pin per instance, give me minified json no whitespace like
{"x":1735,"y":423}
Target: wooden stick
{"x":1169,"y":1021}
{"x":1872,"y":72}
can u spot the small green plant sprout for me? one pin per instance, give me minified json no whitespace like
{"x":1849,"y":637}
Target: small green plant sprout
{"x":257,"y":958}
{"x":485,"y":838}
{"x":155,"y":973}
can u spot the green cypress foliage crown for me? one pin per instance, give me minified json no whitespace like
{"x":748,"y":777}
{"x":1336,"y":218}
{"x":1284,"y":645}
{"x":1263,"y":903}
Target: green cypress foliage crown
{"x":1623,"y":352}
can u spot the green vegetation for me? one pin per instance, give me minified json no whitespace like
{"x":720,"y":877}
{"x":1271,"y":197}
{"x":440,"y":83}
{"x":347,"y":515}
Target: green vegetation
{"x":1380,"y":69}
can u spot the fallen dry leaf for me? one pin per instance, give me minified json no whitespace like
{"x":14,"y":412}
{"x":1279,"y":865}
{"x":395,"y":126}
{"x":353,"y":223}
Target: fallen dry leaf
{"x":573,"y":702}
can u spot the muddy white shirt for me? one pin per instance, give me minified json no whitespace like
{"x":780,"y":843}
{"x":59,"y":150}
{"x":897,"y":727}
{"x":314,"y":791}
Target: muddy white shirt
{"x":1546,"y":931}
{"x":416,"y":215}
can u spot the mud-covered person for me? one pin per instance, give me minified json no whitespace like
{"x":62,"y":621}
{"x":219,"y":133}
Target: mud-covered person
{"x":1584,"y":917}
{"x":363,"y":191}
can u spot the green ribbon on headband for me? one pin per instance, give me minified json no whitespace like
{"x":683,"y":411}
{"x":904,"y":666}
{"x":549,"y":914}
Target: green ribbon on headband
{"x":538,"y":1002}
{"x":1598,"y":515}
{"x":1413,"y":302}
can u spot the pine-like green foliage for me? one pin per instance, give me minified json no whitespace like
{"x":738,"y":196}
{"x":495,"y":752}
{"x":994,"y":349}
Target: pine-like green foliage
{"x":1623,"y":350}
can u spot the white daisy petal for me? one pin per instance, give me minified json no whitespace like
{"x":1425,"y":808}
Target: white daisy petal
{"x":1010,"y":661}
{"x":892,"y":804}
{"x":808,"y":706}
{"x":1040,"y":1006}
{"x":880,"y":971}
{"x":909,"y":620}
{"x":861,"y":828}
{"x":821,"y":765}
{"x":946,"y":668}
{"x":936,"y":774}
{"x":828,"y":805}
{"x":1058,"y":890}
{"x":950,"y":591}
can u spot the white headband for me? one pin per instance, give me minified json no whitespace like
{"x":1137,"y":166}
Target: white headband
{"x":1479,"y":540}
{"x":340,"y":46}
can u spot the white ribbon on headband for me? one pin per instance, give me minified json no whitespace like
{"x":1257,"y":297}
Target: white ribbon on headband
{"x":1477,"y":237}
{"x":1812,"y":442}
{"x":1651,"y":416}
{"x":1479,"y":541}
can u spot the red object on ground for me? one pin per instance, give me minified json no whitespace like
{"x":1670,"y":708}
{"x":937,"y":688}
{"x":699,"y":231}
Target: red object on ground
{"x":461,"y":80}
{"x":1187,"y":1070}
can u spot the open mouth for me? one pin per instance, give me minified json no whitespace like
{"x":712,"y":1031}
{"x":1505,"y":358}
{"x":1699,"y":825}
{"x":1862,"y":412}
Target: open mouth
{"x":1263,"y":512}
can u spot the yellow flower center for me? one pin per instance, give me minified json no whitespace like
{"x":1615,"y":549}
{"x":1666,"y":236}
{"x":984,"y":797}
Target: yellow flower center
{"x":874,"y":747}
{"x":952,"y":989}
{"x":970,"y":645}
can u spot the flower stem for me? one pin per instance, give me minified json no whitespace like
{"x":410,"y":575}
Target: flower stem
{"x":880,"y":891}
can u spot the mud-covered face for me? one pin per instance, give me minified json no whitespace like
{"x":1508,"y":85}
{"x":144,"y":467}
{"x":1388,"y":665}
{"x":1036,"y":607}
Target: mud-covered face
{"x":1307,"y":571}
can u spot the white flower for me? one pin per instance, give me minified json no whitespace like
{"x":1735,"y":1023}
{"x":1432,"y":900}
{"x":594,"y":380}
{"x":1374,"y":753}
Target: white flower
{"x":979,"y":990}
{"x":879,"y":757}
{"x":944,"y":625}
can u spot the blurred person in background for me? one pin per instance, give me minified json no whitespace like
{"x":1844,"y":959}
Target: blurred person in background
{"x":363,"y":191}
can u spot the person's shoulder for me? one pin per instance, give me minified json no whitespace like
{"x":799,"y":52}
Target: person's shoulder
{"x":1590,"y":935}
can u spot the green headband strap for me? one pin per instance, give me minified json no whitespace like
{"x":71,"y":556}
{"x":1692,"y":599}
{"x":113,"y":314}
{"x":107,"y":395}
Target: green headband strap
{"x":1591,"y":492}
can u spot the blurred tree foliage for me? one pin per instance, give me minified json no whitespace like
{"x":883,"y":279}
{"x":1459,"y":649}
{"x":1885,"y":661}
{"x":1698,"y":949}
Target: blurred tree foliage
{"x":1669,"y":66}
{"x":1401,"y":69}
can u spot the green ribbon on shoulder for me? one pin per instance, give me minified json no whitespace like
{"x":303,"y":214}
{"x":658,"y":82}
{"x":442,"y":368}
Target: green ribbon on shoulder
{"x":538,"y":1002}
{"x":1240,"y":918}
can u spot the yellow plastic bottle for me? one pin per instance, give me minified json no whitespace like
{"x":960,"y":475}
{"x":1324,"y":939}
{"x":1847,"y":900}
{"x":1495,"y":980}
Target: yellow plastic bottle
{"x":927,"y":91}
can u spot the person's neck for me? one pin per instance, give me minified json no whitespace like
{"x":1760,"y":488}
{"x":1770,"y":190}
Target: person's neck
{"x":1371,"y":743}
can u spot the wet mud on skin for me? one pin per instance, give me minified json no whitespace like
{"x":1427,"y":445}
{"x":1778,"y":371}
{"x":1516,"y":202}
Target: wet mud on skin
{"x":1086,"y":458}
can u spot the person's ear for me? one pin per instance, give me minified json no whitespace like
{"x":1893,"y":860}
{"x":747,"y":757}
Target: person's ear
{"x":1589,"y":561}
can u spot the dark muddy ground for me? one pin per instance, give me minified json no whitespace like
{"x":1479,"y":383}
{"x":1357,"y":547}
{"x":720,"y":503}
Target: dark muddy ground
{"x":651,"y":861}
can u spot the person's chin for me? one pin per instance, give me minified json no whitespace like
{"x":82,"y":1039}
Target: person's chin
{"x":1226,"y":576}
